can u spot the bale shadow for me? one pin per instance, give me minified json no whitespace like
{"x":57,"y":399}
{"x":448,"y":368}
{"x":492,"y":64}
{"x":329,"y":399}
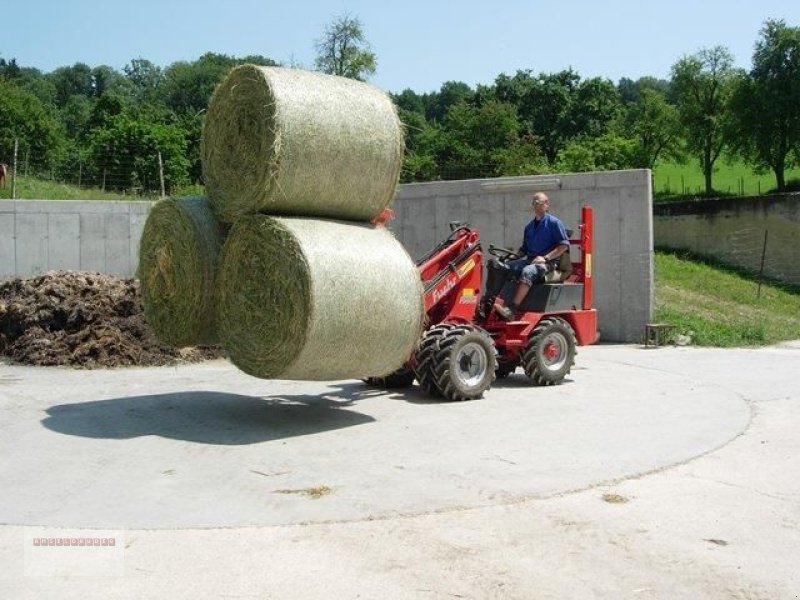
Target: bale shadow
{"x":205,"y":417}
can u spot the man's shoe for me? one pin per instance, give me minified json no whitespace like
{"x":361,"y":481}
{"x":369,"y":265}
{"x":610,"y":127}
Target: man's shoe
{"x":505,"y":312}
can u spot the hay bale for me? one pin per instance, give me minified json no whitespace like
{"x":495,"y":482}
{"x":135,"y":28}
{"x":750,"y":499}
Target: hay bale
{"x":316,"y":300}
{"x":178,"y":256}
{"x":292,"y":142}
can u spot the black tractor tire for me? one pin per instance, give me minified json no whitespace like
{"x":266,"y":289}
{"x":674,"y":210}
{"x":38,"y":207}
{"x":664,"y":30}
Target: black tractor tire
{"x":424,"y":357}
{"x":550,"y":352}
{"x":401,"y":378}
{"x":464,"y":363}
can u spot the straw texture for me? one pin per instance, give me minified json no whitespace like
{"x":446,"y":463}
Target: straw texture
{"x":178,"y":256}
{"x":314,"y":299}
{"x":293,"y":142}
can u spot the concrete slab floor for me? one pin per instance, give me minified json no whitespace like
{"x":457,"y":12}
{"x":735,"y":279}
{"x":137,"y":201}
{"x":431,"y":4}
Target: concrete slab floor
{"x":661,"y":473}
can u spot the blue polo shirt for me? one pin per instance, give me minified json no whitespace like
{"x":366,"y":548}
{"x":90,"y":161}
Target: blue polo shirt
{"x":542,"y":236}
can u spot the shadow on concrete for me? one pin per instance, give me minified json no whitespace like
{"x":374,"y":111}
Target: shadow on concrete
{"x":207,"y":417}
{"x":520,"y":380}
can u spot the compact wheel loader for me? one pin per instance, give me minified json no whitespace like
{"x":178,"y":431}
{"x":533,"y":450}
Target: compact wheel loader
{"x":467,"y":345}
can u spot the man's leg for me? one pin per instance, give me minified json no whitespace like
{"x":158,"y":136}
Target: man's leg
{"x":530,"y":274}
{"x":496,"y":276}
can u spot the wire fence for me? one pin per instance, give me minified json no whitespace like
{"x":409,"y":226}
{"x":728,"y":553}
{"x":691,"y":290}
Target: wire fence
{"x":126,"y":170}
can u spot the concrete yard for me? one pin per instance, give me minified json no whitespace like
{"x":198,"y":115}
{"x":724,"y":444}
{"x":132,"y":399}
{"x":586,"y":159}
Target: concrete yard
{"x":650,"y":473}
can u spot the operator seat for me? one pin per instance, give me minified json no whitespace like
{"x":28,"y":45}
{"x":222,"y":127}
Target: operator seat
{"x":562,"y":270}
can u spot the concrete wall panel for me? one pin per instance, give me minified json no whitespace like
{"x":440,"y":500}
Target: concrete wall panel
{"x":64,"y":241}
{"x":118,"y":244}
{"x":31,"y":240}
{"x":93,"y":242}
{"x":8,"y":247}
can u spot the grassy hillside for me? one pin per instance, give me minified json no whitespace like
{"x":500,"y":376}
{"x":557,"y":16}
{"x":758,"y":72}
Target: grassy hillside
{"x":718,"y":306}
{"x":730,"y":177}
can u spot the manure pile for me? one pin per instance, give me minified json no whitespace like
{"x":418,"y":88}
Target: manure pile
{"x":281,"y":263}
{"x":84,"y":320}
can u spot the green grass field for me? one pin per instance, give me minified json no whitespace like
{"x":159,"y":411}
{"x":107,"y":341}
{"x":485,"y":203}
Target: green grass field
{"x":718,"y":306}
{"x":31,"y":188}
{"x":730,"y":177}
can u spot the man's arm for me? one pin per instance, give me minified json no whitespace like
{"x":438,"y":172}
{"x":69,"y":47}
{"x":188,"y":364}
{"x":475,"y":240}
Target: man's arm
{"x":553,"y":253}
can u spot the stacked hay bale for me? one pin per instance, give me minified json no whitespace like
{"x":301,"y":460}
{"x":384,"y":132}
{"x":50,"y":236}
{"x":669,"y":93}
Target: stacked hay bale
{"x":303,"y":287}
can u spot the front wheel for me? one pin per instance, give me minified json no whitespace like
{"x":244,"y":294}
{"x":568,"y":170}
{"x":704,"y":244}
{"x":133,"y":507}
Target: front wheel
{"x":464,"y":364}
{"x":550,"y":352}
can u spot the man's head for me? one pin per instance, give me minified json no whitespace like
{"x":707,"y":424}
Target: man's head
{"x":540,"y":204}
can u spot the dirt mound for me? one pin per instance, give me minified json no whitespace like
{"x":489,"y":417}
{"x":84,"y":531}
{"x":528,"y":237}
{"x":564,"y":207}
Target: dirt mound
{"x":83,"y":320}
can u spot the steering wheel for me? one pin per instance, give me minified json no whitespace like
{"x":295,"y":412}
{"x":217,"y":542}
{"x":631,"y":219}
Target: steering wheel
{"x":502,"y":253}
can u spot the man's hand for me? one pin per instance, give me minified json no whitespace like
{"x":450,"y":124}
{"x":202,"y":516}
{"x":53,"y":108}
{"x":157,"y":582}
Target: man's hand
{"x":539,"y":260}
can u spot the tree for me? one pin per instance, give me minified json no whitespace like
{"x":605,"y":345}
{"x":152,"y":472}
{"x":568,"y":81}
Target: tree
{"x":596,"y":105}
{"x":25,"y":118}
{"x":703,"y":84}
{"x":654,"y":124}
{"x":766,"y":103}
{"x":147,"y":80}
{"x":630,"y":91}
{"x":343,"y":50}
{"x":604,"y":153}
{"x":188,"y":85}
{"x":545,"y":103}
{"x":450,"y":94}
{"x":124,"y":153}
{"x":71,"y":81}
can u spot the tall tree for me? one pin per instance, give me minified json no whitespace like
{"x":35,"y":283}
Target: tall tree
{"x":343,"y":50}
{"x":703,"y":84}
{"x":766,"y":103}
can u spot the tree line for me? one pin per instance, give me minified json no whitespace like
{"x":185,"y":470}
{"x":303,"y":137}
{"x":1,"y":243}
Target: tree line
{"x":107,"y":126}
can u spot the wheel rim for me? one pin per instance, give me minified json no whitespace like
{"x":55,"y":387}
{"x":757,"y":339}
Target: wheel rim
{"x":470,"y":364}
{"x":554,"y":351}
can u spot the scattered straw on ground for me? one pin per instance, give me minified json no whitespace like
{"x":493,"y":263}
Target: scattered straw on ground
{"x":614,"y":499}
{"x":83,"y":320}
{"x":315,"y":493}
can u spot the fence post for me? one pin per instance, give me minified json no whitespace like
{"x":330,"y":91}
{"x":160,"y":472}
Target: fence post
{"x":761,"y":270}
{"x":161,"y":175}
{"x":14,"y":180}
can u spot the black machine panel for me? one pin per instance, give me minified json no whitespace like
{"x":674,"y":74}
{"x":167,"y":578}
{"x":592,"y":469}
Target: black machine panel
{"x":547,"y":297}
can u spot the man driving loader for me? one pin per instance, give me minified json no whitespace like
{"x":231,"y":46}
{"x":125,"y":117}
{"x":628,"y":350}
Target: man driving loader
{"x":544,"y":241}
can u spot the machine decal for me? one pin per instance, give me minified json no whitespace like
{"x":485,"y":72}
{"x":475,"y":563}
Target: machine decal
{"x":466,"y":267}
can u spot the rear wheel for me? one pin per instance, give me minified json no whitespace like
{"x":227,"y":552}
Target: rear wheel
{"x":464,"y":363}
{"x":550,"y":352}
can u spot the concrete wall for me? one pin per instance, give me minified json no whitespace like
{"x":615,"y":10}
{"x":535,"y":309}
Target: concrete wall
{"x":42,"y":235}
{"x":500,"y":208}
{"x":732,"y":230}
{"x":37,"y":236}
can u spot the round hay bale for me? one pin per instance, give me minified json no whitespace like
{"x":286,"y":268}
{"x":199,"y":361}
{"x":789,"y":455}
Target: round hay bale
{"x":178,"y":256}
{"x":292,"y":142}
{"x":316,"y":300}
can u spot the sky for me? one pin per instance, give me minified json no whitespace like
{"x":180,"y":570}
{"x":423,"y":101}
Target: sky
{"x":419,"y":44}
